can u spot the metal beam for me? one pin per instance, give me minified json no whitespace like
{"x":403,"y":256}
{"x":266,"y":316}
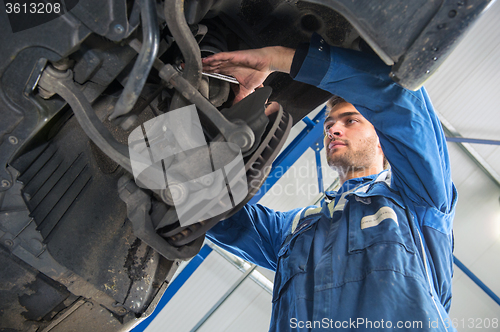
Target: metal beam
{"x":239,"y":264}
{"x":317,"y":153}
{"x":451,"y":132}
{"x":223,"y":298}
{"x":472,"y":140}
{"x":478,"y":282}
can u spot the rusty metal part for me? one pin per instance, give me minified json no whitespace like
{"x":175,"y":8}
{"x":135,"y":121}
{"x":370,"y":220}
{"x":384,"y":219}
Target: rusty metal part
{"x":176,"y":22}
{"x":62,"y":83}
{"x":138,"y":207}
{"x":144,"y":63}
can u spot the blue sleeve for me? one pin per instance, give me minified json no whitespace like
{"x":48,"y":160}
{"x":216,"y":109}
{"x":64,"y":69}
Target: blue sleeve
{"x":255,"y":233}
{"x":410,"y":132}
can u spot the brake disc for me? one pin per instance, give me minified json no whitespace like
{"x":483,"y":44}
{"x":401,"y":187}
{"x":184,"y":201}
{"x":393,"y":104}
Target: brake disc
{"x":257,"y":168}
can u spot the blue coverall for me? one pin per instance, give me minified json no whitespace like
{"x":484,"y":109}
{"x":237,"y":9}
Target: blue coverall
{"x":378,"y":254}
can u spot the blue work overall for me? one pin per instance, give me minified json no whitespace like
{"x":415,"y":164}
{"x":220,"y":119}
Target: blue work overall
{"x":378,"y":254}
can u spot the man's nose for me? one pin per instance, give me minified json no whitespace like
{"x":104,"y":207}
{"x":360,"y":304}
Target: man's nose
{"x":335,"y":130}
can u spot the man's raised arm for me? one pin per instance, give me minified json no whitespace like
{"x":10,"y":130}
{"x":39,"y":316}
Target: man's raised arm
{"x":410,"y":132}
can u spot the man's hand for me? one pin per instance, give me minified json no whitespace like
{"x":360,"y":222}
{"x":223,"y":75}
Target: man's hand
{"x":250,"y":67}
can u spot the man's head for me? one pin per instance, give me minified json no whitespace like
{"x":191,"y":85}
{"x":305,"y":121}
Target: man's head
{"x":351,"y":143}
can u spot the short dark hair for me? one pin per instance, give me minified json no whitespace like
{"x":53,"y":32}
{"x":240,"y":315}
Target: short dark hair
{"x":334,"y":101}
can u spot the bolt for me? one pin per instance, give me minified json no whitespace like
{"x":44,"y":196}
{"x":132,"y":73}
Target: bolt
{"x":13,"y":140}
{"x":320,"y":48}
{"x":122,"y":311}
{"x":5,"y":184}
{"x":441,"y":26}
{"x":460,"y":3}
{"x":242,"y":139}
{"x":452,"y":13}
{"x":89,"y":304}
{"x":322,"y":41}
{"x":176,"y":192}
{"x":9,"y":243}
{"x":63,"y":281}
{"x":62,"y":64}
{"x":317,"y":144}
{"x":427,"y":72}
{"x":59,"y":74}
{"x":434,"y":58}
{"x":207,"y":180}
{"x":435,"y":49}
{"x":119,"y":29}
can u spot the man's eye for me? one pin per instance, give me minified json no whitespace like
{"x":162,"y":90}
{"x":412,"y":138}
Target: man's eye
{"x":351,"y":121}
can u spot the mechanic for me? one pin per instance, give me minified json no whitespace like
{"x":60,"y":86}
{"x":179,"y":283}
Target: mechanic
{"x":378,"y":253}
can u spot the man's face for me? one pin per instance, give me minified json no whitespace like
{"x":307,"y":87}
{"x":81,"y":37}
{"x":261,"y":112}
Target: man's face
{"x":351,"y":142}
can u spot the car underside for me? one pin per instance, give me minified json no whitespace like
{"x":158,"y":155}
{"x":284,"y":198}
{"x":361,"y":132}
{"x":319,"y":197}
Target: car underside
{"x":83,"y":247}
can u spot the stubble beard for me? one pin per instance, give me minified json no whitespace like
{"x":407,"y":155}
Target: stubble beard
{"x":353,"y":161}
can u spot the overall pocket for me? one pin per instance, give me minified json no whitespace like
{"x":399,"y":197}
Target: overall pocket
{"x":293,"y":258}
{"x":377,"y":220}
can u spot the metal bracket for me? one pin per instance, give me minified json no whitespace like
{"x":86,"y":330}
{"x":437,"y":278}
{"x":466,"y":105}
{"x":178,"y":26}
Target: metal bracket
{"x":138,"y":206}
{"x":107,"y":18}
